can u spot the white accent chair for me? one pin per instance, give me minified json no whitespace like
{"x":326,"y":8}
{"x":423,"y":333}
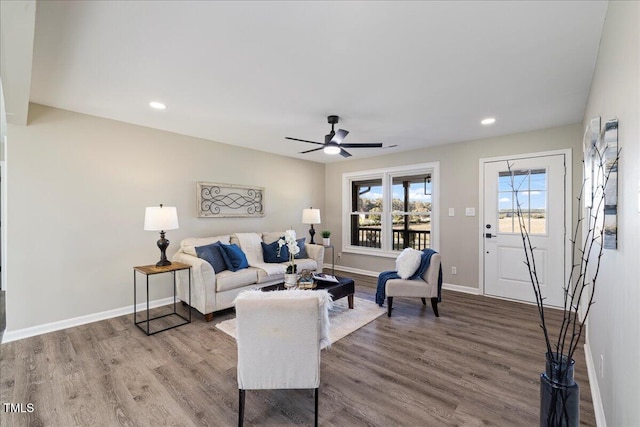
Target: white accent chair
{"x":423,"y":287}
{"x":279,"y":336}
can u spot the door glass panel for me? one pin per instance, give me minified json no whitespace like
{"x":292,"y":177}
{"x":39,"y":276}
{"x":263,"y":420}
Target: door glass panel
{"x":523,"y":191}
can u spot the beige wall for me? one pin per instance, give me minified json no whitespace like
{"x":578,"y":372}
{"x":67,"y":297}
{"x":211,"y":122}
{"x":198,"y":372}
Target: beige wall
{"x":614,"y":322}
{"x":459,"y":174}
{"x":77,"y":189}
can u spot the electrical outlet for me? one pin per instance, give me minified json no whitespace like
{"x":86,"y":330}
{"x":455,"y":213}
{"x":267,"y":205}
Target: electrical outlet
{"x":454,"y":270}
{"x":601,"y":366}
{"x":339,"y":254}
{"x":470,"y":212}
{"x":452,"y":212}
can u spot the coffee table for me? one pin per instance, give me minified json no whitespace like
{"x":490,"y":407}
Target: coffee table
{"x":344,"y":288}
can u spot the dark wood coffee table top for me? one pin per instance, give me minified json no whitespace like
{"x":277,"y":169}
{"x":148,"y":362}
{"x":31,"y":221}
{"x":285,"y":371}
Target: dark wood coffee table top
{"x":344,"y":288}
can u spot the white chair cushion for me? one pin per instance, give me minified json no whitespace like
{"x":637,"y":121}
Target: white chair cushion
{"x":408,"y":262}
{"x":279,"y":335}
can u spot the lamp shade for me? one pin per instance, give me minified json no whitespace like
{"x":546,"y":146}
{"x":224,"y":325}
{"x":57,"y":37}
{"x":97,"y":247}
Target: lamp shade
{"x":311,"y":216}
{"x":160,"y":218}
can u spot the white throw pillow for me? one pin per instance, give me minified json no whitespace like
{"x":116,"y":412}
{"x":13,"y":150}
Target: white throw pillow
{"x":408,"y":262}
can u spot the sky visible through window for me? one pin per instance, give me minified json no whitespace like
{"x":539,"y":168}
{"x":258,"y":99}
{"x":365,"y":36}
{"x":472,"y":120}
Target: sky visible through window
{"x":531,"y":187}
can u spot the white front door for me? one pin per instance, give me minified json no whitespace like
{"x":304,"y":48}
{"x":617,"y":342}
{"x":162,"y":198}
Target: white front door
{"x":540,"y":184}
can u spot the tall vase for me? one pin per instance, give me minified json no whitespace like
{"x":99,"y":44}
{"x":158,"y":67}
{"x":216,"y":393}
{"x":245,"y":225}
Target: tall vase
{"x":559,"y":394}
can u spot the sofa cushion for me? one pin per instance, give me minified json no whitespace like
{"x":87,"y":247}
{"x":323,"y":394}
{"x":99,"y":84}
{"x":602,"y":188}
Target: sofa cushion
{"x":228,"y":279}
{"x":306,"y":264}
{"x":272,"y":252}
{"x":188,"y":245}
{"x":213,"y":255}
{"x":269,"y":276}
{"x":234,"y":257}
{"x":303,"y":252}
{"x":272,"y":236}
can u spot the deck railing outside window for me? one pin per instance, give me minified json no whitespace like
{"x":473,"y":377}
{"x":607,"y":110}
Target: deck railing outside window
{"x":370,"y":237}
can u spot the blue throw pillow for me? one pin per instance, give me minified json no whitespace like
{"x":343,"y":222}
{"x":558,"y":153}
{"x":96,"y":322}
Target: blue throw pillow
{"x":213,"y":255}
{"x":303,"y":251}
{"x":270,"y":252}
{"x":234,"y":257}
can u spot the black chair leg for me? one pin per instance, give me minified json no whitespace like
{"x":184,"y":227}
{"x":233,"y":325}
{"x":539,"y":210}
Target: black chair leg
{"x":434,"y":304}
{"x":316,"y":398}
{"x":389,"y":304}
{"x":424,"y":301}
{"x":241,"y":408}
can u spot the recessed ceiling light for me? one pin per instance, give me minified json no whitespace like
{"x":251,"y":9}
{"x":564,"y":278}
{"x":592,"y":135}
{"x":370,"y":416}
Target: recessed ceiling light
{"x":157,"y":105}
{"x":488,"y":121}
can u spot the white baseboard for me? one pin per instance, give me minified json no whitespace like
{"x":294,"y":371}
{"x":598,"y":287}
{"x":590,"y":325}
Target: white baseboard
{"x":598,"y":407}
{"x":460,"y":288}
{"x":353,"y":270}
{"x":81,"y":320}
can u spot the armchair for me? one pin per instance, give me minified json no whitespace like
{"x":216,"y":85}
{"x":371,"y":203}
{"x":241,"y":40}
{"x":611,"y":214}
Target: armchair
{"x":279,"y":336}
{"x":423,"y":287}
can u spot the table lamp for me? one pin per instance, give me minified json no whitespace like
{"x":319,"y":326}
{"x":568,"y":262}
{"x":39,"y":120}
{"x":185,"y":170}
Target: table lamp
{"x":160,"y":219}
{"x":311,"y":216}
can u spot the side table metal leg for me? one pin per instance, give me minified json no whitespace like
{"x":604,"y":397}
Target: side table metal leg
{"x":134,"y":298}
{"x":148,"y":316}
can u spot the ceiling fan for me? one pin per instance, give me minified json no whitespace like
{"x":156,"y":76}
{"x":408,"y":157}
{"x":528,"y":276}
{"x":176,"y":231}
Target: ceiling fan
{"x":333,"y":141}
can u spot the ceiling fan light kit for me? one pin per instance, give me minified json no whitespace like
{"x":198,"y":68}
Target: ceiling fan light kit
{"x":333,"y":141}
{"x":331,"y":149}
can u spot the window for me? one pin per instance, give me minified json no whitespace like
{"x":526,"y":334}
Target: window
{"x":530,"y":185}
{"x":390,"y":209}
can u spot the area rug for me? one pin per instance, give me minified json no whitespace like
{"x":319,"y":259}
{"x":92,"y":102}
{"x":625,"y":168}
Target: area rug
{"x":343,"y":320}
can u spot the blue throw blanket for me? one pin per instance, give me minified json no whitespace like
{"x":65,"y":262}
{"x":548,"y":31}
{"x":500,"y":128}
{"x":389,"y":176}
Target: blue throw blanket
{"x":424,"y":265}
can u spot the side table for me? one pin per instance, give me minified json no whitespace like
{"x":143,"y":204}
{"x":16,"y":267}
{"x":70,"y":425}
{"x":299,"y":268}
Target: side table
{"x":150,"y":270}
{"x":333,"y":259}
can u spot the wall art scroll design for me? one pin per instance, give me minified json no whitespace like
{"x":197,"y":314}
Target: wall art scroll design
{"x":217,"y":200}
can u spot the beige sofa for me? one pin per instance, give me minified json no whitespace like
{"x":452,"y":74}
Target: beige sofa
{"x":212,"y":292}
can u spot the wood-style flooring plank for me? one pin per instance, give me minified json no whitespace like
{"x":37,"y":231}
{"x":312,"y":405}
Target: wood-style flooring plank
{"x":478,"y":364}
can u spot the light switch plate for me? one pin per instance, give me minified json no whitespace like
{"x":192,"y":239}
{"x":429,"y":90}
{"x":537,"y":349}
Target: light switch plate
{"x":470,"y":212}
{"x":452,"y":212}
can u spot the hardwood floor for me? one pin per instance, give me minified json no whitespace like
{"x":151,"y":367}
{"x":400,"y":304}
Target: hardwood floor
{"x":477,"y":364}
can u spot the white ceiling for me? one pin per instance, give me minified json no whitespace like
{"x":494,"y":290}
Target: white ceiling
{"x":246,"y":73}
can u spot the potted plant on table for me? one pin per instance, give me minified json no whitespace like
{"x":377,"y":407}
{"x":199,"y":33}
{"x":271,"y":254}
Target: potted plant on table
{"x":289,"y":240}
{"x":326,"y":234}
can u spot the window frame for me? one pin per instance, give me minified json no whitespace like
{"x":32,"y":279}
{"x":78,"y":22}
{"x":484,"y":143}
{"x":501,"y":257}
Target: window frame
{"x":387,"y":175}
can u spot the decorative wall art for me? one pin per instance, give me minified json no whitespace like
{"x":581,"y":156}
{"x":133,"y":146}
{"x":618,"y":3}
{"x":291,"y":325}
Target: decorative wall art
{"x":610,"y":147}
{"x":228,"y":200}
{"x":601,"y":175}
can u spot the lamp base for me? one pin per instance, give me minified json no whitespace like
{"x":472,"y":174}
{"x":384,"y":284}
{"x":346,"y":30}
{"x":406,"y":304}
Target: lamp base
{"x":312,"y":232}
{"x":163,"y":244}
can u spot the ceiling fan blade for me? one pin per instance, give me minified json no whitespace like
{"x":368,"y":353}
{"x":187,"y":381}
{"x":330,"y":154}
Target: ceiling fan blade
{"x":339,"y":136}
{"x":303,"y":140}
{"x":363,"y":145}
{"x":344,"y":153}
{"x":312,"y":150}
